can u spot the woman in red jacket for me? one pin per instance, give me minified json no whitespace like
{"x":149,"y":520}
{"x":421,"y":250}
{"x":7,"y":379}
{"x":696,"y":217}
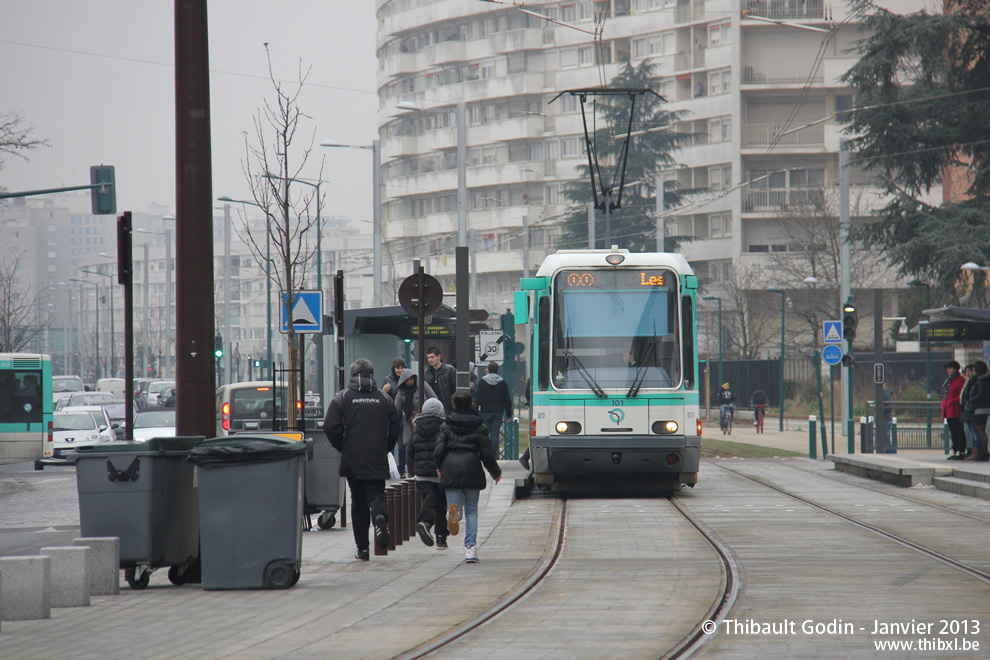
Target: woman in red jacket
{"x":952,"y":409}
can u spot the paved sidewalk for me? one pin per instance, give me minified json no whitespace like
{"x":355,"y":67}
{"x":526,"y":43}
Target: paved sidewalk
{"x":341,"y":606}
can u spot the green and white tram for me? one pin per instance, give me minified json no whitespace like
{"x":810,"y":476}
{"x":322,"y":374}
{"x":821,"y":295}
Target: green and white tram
{"x":614,"y":369}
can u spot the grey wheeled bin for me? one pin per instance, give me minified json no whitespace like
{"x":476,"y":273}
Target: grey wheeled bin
{"x":144,"y":493}
{"x":323,"y":492}
{"x":251,"y":508}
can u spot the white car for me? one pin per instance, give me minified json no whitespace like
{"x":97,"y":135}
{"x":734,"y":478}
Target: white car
{"x":154,"y":424}
{"x":79,"y":427}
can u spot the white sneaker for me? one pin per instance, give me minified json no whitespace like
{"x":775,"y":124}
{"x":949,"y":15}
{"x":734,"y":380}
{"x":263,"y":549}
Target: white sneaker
{"x":470,"y":554}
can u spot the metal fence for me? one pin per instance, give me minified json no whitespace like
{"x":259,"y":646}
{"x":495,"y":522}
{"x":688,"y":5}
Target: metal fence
{"x":910,"y":425}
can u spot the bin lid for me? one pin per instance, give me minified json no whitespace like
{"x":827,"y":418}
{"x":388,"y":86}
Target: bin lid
{"x":243,"y":448}
{"x":171,"y":445}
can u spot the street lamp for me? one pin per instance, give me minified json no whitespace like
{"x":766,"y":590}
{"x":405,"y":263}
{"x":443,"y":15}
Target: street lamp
{"x":720,"y":374}
{"x":94,"y":284}
{"x":113,"y":352}
{"x":268,"y":271}
{"x":319,"y":275}
{"x":376,"y":211}
{"x":928,"y":346}
{"x":783,"y":301}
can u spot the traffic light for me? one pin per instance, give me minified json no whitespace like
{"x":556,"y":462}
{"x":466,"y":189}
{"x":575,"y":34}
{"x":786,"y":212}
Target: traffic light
{"x":104,"y":195}
{"x":849,"y":319}
{"x":219,"y":347}
{"x":848,"y":360}
{"x":257,"y":363}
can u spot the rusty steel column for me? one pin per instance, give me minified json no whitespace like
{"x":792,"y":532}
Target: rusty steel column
{"x":195,"y":322}
{"x":389,"y":508}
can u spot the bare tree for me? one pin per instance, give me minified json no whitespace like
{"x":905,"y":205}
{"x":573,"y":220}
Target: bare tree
{"x":749,"y":329}
{"x":807,"y":244}
{"x":15,"y":138}
{"x":272,"y":164}
{"x":22,"y":320}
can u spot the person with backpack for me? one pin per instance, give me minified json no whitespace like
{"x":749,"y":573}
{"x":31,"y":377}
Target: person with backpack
{"x":363,"y":425}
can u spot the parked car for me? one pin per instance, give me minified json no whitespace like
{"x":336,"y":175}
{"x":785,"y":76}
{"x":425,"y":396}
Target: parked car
{"x":112,"y":385}
{"x":84,"y":399}
{"x":154,"y":424}
{"x":79,"y":427}
{"x":166,"y":398}
{"x":154,"y":391}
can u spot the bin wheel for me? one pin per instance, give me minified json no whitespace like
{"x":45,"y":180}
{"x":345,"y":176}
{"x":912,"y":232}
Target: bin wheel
{"x":175,"y":576}
{"x":136,"y":582}
{"x":280,"y":575}
{"x":295,"y":577}
{"x":326,"y":520}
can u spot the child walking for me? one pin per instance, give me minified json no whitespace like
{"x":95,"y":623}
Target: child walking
{"x":422,"y":444}
{"x":462,"y":449}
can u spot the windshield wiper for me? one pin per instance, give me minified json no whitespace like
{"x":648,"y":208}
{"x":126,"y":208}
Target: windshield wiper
{"x":585,"y":374}
{"x":641,"y":369}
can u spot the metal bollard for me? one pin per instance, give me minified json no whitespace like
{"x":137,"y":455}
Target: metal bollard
{"x":418,"y":501}
{"x":393,"y":519}
{"x":406,"y":502}
{"x":400,"y":519}
{"x":389,"y":508}
{"x":812,"y":449}
{"x":413,"y":500}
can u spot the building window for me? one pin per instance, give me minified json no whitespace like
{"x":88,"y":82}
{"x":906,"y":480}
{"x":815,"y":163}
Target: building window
{"x":719,"y":177}
{"x":568,"y":58}
{"x":585,"y":57}
{"x":639,"y":49}
{"x":550,"y":194}
{"x":568,"y":147}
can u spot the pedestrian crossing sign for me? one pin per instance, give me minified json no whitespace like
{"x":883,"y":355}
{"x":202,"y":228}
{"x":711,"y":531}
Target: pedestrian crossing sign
{"x":307,"y":312}
{"x":833,"y":332}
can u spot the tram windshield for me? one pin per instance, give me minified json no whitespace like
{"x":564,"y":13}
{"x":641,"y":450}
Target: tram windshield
{"x":616,"y":329}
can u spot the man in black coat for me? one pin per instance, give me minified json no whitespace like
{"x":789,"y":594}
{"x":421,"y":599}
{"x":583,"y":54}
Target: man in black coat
{"x":362,"y":424}
{"x":441,"y":377}
{"x":492,"y":398}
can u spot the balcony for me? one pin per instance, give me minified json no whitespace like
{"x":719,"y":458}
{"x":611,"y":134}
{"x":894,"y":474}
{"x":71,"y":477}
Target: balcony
{"x":786,"y":8}
{"x":782,"y":71}
{"x":764,"y":134}
{"x":783,"y":199}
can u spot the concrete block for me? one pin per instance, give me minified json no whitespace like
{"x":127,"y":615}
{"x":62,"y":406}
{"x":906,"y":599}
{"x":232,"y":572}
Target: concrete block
{"x":104,"y":576}
{"x":70,"y":578}
{"x":25,"y":592}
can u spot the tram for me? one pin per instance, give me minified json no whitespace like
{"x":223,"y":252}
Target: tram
{"x":613,"y":369}
{"x":25,"y":407}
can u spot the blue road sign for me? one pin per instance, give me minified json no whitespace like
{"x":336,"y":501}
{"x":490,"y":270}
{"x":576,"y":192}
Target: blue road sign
{"x":832,"y":354}
{"x":307,"y":312}
{"x":833,"y":332}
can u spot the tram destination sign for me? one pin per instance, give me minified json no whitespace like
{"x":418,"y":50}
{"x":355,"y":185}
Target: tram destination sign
{"x":954,"y":331}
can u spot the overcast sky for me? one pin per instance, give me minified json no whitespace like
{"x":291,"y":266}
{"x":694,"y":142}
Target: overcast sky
{"x":96,"y":78}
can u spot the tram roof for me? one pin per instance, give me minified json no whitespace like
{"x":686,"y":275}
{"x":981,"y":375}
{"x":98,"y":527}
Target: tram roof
{"x":586,"y":258}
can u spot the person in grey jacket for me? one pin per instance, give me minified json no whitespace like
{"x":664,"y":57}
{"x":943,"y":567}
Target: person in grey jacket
{"x":493,"y":400}
{"x":407,"y":405}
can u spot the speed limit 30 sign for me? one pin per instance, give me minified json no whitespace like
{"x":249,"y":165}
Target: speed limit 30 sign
{"x":490,"y":346}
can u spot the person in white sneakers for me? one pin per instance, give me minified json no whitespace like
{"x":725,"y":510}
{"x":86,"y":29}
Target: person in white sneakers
{"x":463,"y":453}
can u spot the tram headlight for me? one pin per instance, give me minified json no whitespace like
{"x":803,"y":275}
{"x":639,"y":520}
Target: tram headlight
{"x":665,"y":427}
{"x":568,"y":428}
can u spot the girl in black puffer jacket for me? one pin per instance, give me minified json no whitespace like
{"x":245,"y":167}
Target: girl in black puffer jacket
{"x":462,"y":449}
{"x":422,"y":444}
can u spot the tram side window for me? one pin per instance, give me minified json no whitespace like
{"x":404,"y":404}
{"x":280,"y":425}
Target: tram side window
{"x":20,"y":396}
{"x":544,"y":352}
{"x":687,"y":341}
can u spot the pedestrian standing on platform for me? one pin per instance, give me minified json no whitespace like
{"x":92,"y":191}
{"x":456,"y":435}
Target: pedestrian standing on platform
{"x":493,"y":400}
{"x":966,"y":403}
{"x":981,"y":410}
{"x":951,"y":409}
{"x":463,"y":454}
{"x":407,"y":405}
{"x":441,"y":377}
{"x":433,"y":511}
{"x":362,"y":424}
{"x":888,"y":419}
{"x":391,"y":386}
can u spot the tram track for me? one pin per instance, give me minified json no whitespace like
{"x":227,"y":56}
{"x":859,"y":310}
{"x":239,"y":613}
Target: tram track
{"x":722,"y":601}
{"x":917,"y":547}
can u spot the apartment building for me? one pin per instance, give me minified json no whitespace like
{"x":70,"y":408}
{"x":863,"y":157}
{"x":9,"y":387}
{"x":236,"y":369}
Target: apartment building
{"x":758,"y":81}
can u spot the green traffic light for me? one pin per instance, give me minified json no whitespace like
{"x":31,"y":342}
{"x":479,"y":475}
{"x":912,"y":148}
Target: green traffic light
{"x":218,"y":353}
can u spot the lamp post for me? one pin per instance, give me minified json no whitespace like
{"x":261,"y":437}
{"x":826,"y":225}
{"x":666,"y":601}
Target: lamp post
{"x":783,"y":301}
{"x":376,"y":211}
{"x":720,"y":373}
{"x":928,"y":352}
{"x":268,"y":273}
{"x":94,"y":284}
{"x":113,"y":352}
{"x":319,"y":277}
